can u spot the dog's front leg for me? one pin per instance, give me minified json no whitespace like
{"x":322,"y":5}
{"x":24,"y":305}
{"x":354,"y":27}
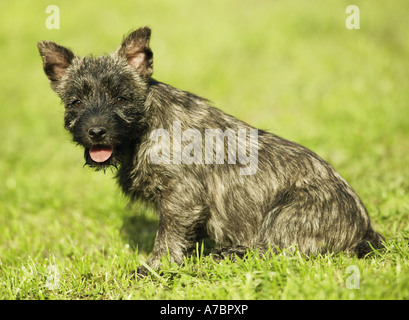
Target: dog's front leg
{"x":177,"y":234}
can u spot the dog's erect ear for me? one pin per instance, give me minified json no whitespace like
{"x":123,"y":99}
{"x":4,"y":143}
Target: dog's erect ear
{"x":56,"y":60}
{"x":135,"y":49}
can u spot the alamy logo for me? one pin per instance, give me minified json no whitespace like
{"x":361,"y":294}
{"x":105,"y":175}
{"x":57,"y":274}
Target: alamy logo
{"x":352,"y":21}
{"x":352,"y":281}
{"x":53,"y":278}
{"x":53,"y":20}
{"x":190,"y":147}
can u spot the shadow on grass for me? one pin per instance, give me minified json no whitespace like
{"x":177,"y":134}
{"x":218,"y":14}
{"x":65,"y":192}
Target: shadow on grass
{"x":140,"y":231}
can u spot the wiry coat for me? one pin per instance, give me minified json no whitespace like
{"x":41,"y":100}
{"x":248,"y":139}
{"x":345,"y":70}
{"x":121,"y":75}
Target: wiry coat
{"x":293,"y":198}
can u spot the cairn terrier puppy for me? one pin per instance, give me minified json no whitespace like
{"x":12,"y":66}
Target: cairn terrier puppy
{"x":205,"y":172}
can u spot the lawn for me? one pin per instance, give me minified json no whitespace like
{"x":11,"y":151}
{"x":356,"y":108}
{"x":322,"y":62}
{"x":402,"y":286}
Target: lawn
{"x":290,"y":67}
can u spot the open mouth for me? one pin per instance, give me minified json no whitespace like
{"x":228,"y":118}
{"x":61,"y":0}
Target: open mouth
{"x":101,"y":154}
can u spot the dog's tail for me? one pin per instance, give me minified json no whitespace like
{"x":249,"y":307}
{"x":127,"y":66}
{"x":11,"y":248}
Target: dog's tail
{"x":372,"y":241}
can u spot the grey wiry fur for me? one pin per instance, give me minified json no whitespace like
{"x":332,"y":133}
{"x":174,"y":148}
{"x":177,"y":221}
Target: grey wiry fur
{"x":294,"y":198}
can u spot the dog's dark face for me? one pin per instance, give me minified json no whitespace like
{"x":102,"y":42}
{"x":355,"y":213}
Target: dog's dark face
{"x":103,"y":96}
{"x":104,"y":107}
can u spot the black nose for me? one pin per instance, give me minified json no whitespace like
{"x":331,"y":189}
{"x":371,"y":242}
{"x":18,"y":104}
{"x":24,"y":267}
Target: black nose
{"x":97,"y":133}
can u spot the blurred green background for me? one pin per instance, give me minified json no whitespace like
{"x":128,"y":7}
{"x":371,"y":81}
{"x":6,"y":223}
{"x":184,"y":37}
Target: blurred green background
{"x":290,"y":67}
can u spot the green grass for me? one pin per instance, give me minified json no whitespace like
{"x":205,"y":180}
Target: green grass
{"x":288,"y":67}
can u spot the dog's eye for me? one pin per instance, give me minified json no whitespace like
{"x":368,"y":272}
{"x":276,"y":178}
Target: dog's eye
{"x":121,"y":100}
{"x":77,"y":103}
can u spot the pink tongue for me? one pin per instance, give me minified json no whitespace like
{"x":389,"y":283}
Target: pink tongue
{"x":100,"y":154}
